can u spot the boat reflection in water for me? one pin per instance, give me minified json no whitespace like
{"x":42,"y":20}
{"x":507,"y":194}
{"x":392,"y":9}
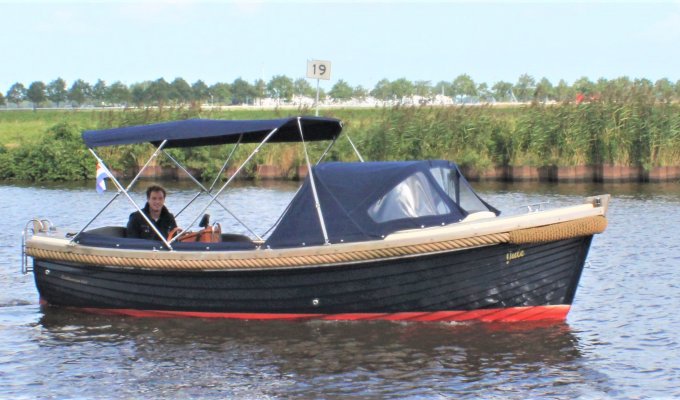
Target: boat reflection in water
{"x":284,"y":358}
{"x":398,"y":241}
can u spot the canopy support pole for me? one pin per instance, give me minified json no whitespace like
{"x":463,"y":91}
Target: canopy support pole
{"x":328,"y":148}
{"x":197,"y":195}
{"x":207,"y":191}
{"x":217,"y":177}
{"x":100,"y":211}
{"x":355,"y":148}
{"x":139,"y":174}
{"x":125,"y":192}
{"x":224,"y":166}
{"x":311,"y":179}
{"x":231,"y":178}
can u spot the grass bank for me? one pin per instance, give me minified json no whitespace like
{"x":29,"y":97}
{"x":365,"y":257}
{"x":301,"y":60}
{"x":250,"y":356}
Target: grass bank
{"x":45,"y":145}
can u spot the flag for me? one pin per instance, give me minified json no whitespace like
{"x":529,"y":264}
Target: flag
{"x":102,"y":174}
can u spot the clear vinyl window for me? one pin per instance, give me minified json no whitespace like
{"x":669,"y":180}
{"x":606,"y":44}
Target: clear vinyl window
{"x":460,"y":194}
{"x":411,"y":198}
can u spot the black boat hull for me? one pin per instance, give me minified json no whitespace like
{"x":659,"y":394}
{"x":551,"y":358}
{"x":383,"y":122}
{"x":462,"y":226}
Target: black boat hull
{"x":454,"y":285}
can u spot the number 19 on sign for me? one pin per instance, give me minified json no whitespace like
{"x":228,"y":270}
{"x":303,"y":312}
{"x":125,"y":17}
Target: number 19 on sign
{"x":317,"y":69}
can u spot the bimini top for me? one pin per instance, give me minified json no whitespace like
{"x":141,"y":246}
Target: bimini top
{"x":204,"y":132}
{"x":367,"y":201}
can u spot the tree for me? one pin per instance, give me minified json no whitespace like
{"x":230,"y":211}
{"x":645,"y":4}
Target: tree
{"x":79,"y":92}
{"x":118,"y":94}
{"x":301,"y":87}
{"x":139,"y":93}
{"x":341,"y":91}
{"x":259,"y":89}
{"x":16,"y":93}
{"x":525,"y":87}
{"x":422,"y":88}
{"x":3,"y":102}
{"x":360,"y":93}
{"x":463,"y":86}
{"x":37,"y":93}
{"x":584,"y":86}
{"x":99,"y":91}
{"x":563,"y":92}
{"x":200,"y":91}
{"x":620,"y":88}
{"x":663,"y":89}
{"x":56,"y":91}
{"x":382,"y":90}
{"x":181,"y":91}
{"x":483,"y":92}
{"x":401,"y":88}
{"x":643,"y":90}
{"x":159,"y":91}
{"x":442,"y":88}
{"x":322,"y":94}
{"x":280,"y":87}
{"x":502,"y":91}
{"x":600,"y":86}
{"x":243,"y":92}
{"x":544,"y":90}
{"x":221,"y":92}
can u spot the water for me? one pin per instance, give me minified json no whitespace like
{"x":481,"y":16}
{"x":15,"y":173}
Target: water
{"x":620,"y":340}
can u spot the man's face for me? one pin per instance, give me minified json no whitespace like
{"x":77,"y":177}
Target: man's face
{"x":156,"y":201}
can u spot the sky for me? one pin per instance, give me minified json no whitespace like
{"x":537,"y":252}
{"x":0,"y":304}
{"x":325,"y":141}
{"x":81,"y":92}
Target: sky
{"x":365,"y":41}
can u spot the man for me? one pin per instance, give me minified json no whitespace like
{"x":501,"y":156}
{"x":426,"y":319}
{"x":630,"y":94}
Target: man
{"x":156,"y":211}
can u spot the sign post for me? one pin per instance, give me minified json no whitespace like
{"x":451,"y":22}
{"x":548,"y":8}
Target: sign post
{"x":318,"y":69}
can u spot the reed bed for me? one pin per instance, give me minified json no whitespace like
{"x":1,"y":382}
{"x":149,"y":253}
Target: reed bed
{"x":644,"y":134}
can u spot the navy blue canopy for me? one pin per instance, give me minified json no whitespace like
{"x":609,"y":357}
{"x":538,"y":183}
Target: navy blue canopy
{"x":367,"y":201}
{"x":204,"y":132}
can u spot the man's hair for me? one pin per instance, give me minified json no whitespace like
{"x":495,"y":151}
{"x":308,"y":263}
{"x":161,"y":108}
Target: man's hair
{"x":155,"y":188}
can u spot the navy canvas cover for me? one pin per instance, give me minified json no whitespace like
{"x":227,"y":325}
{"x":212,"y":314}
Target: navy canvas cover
{"x":348,"y":192}
{"x":205,"y":132}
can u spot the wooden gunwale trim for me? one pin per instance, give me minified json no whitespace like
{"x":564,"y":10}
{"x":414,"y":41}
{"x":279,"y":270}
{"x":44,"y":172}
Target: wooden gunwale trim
{"x":218,"y":262}
{"x":58,"y":250}
{"x":400,"y":239}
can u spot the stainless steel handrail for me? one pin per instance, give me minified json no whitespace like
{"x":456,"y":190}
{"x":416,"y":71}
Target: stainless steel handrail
{"x":31,"y":226}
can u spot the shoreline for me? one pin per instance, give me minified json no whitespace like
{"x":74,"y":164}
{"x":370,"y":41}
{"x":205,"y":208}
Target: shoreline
{"x":602,"y":173}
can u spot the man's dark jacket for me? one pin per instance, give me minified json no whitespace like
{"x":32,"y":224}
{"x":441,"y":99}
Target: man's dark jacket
{"x":137,"y":226}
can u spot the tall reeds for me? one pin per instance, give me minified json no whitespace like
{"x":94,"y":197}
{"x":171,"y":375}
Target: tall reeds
{"x":635,"y":134}
{"x":638,"y":133}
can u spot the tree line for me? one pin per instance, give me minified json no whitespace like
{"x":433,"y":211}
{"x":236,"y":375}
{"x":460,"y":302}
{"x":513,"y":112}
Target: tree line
{"x":463,"y":89}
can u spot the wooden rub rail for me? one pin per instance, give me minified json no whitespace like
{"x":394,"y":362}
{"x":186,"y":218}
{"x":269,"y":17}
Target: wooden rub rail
{"x":564,"y":230}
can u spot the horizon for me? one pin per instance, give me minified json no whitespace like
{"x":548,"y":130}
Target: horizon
{"x":325,"y":90}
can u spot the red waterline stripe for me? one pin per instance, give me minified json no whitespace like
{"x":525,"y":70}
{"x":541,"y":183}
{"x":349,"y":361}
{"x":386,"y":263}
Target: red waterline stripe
{"x":509,"y":314}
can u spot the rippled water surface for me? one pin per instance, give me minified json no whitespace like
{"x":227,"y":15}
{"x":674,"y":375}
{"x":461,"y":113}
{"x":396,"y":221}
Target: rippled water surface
{"x":621,"y":338}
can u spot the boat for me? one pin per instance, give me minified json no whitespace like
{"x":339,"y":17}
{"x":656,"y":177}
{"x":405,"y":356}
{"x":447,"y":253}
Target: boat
{"x":364,"y":240}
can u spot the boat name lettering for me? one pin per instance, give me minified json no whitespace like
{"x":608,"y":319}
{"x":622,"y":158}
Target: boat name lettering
{"x":513,"y":255}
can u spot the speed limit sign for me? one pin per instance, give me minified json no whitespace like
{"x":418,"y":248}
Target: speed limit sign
{"x":317,"y":69}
